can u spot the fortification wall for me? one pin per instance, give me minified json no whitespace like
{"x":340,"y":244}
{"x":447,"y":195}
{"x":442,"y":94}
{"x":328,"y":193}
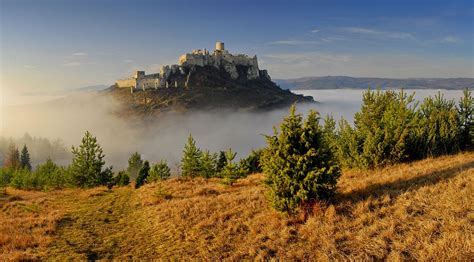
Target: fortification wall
{"x":148,"y":83}
{"x":129,"y":82}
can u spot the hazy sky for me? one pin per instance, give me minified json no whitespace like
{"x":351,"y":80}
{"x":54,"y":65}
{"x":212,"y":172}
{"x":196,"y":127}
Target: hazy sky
{"x":48,"y":45}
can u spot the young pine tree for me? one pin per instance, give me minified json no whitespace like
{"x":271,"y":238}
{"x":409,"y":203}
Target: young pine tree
{"x":191,"y":165}
{"x":87,"y":163}
{"x":25,"y":161}
{"x":160,"y":171}
{"x":209,"y":164}
{"x":143,"y":175}
{"x":231,"y":171}
{"x":221,"y":161}
{"x":135,"y":163}
{"x":299,"y":166}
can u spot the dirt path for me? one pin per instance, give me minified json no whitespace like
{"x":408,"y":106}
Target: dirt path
{"x":95,"y":228}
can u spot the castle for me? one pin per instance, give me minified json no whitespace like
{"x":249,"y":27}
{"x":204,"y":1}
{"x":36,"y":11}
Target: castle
{"x":237,"y":66}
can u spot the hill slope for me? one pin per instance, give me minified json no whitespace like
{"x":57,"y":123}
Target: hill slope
{"x":336,"y":82}
{"x":416,"y":211}
{"x":209,"y":88}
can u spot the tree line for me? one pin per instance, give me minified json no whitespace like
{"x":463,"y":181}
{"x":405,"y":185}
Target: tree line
{"x":302,"y":160}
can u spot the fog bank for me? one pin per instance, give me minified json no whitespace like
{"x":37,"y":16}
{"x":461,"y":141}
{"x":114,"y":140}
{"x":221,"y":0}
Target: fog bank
{"x":164,"y":138}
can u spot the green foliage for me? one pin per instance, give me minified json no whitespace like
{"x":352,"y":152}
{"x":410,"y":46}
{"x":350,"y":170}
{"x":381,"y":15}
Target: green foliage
{"x":6,"y":175}
{"x":88,"y":161}
{"x":383,"y":127}
{"x":135,"y":163}
{"x":160,"y":171}
{"x":25,"y":161}
{"x":208,"y":164}
{"x":122,"y":179}
{"x":47,"y":176}
{"x":466,"y":110}
{"x":142,"y":175}
{"x":231,"y":171}
{"x":191,"y":165}
{"x":221,"y":161}
{"x":251,"y":164}
{"x":440,"y":127}
{"x":299,"y":165}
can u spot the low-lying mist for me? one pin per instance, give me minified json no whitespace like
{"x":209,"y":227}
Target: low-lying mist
{"x":162,"y":138}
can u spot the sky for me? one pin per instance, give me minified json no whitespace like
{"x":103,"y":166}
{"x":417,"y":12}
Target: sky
{"x":51,"y":45}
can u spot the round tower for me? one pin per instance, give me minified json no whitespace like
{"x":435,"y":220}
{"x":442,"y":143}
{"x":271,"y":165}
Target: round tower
{"x":220,"y":46}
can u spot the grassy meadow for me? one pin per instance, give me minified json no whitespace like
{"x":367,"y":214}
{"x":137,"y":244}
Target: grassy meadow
{"x":415,"y":211}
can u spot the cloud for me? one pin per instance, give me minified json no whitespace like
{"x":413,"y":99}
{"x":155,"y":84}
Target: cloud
{"x":450,"y":40}
{"x":378,"y":33}
{"x":79,"y":54}
{"x":29,"y":66}
{"x":294,"y":42}
{"x":315,"y":31}
{"x":72,"y":64}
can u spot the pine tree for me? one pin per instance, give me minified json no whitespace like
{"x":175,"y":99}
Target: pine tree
{"x":12,"y":159}
{"x":87,"y":164}
{"x":209,"y":164}
{"x":135,"y":163}
{"x":466,"y":110}
{"x":191,"y":162}
{"x":221,"y":161}
{"x":160,"y":171}
{"x":231,"y":171}
{"x":299,"y":166}
{"x":25,"y":159}
{"x":143,"y":175}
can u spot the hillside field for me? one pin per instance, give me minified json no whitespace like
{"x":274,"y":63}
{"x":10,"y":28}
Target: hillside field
{"x":414,"y":211}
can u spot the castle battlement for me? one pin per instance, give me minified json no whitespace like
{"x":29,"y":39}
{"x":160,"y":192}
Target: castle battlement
{"x":219,"y":58}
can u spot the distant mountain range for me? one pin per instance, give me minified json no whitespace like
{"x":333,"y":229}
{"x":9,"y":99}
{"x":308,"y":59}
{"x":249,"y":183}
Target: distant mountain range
{"x":338,"y":82}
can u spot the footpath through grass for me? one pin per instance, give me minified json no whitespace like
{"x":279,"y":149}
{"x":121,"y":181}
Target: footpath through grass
{"x":100,"y":227}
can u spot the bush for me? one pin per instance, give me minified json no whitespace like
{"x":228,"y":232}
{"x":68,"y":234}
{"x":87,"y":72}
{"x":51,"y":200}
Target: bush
{"x":251,"y":164}
{"x":121,"y":179}
{"x":299,"y":166}
{"x":6,"y":175}
{"x":47,"y":176}
{"x":158,"y":172}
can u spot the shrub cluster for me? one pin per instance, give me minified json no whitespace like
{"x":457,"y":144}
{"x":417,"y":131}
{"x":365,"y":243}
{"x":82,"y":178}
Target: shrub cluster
{"x":198,"y":163}
{"x":391,"y":128}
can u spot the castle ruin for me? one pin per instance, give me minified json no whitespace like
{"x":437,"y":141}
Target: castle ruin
{"x":219,"y":58}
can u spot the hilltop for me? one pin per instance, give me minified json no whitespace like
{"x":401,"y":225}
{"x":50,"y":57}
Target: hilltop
{"x":414,"y":211}
{"x":203,"y":81}
{"x":337,"y":82}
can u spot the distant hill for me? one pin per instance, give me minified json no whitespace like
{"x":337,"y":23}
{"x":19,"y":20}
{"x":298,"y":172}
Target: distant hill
{"x":337,"y":82}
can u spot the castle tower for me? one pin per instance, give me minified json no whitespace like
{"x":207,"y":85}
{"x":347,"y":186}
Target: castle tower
{"x":138,"y":74}
{"x":220,"y":46}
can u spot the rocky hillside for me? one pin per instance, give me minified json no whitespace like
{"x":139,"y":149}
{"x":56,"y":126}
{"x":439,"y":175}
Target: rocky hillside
{"x":336,"y":82}
{"x":208,"y":88}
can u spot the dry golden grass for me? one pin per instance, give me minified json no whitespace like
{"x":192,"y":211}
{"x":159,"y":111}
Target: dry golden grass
{"x":417,"y":211}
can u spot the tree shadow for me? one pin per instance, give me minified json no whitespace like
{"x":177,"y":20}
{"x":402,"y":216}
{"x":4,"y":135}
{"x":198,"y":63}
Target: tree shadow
{"x":400,"y":186}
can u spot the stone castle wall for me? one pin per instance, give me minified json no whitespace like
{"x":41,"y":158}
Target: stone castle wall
{"x":220,"y":58}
